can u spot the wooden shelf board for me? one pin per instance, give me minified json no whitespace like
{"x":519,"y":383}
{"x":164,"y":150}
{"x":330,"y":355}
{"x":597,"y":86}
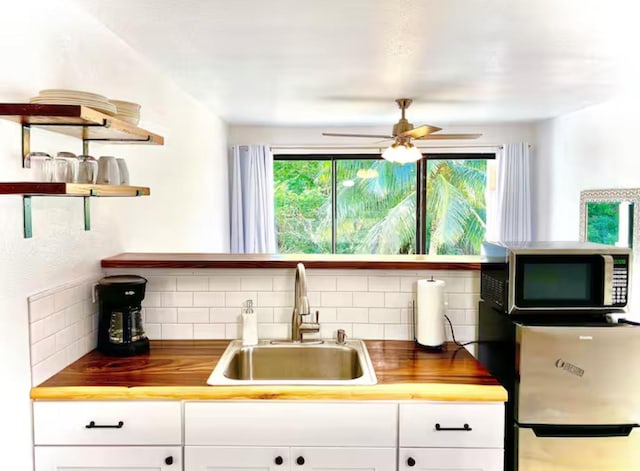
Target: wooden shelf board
{"x":78,"y":121}
{"x":70,"y":189}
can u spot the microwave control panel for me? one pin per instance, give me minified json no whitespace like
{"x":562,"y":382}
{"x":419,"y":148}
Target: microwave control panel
{"x":620,"y":285}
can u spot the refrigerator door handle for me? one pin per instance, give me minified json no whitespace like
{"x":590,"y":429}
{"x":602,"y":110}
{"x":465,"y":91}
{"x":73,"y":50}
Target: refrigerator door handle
{"x":581,"y":431}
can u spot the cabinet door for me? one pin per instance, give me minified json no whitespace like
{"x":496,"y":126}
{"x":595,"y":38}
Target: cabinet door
{"x":450,"y":459}
{"x":343,"y":459}
{"x":213,"y":458}
{"x":107,"y":458}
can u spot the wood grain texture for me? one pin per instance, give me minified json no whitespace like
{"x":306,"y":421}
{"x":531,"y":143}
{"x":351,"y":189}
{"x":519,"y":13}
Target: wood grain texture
{"x":225,"y":260}
{"x":71,"y":189}
{"x":178,"y":369}
{"x":77,"y":121}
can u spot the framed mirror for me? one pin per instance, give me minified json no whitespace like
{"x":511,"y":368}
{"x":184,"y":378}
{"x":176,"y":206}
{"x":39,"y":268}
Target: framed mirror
{"x":611,"y":217}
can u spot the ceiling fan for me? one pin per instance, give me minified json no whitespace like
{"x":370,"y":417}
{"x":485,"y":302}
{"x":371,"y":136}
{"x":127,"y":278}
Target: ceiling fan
{"x":402,"y":150}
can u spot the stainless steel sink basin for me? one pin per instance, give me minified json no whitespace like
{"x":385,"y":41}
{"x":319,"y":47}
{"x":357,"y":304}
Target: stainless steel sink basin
{"x":328,"y":363}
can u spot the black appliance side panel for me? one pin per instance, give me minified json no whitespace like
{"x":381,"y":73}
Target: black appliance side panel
{"x":497,"y":353}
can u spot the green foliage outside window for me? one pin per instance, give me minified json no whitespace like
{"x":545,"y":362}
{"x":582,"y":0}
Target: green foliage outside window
{"x":602,"y":223}
{"x":376,"y":206}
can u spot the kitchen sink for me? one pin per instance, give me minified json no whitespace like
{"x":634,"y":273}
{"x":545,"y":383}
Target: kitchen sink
{"x":328,"y":363}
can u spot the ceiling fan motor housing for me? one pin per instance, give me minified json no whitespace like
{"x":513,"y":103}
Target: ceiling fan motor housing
{"x":401,"y":126}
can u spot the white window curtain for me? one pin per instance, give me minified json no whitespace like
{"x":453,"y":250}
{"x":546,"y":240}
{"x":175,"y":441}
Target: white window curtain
{"x":252,"y":213}
{"x":509,"y":200}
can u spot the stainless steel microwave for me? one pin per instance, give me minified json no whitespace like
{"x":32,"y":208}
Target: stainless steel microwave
{"x":546,"y":277}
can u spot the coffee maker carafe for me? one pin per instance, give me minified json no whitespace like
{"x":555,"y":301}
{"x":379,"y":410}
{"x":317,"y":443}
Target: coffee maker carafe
{"x":120,"y":329}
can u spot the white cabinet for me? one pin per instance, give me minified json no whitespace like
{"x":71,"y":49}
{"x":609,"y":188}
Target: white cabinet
{"x":108,"y":435}
{"x":446,"y":436}
{"x":445,"y":459}
{"x":247,"y":458}
{"x":103,"y":458}
{"x":290,"y":436}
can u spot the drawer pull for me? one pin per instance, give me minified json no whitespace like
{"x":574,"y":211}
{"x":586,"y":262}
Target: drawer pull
{"x":300,"y":460}
{"x":464,"y":428}
{"x":411,"y":462}
{"x":168,"y":460}
{"x":92,"y":424}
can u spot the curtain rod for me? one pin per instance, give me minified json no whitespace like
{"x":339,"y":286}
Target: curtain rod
{"x":380,"y":148}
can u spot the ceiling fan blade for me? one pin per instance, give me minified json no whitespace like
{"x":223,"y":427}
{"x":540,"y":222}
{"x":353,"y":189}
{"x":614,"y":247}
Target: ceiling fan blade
{"x":420,"y":131}
{"x":337,"y":134}
{"x":450,"y":136}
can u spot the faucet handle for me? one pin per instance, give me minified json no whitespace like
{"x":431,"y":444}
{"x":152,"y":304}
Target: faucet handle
{"x":341,"y":336}
{"x":317,"y":319}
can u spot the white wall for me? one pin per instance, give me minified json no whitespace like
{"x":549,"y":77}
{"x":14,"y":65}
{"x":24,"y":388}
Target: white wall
{"x":309,"y":135}
{"x":594,"y":148}
{"x":53,"y":44}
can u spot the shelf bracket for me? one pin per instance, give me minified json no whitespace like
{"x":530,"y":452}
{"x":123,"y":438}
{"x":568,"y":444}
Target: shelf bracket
{"x":85,"y":147}
{"x":26,"y":143}
{"x":87,"y":213}
{"x":149,"y":138}
{"x":26,"y":214}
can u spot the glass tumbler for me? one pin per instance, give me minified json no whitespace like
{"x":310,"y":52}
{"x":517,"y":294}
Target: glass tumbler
{"x":87,"y":169}
{"x":42,"y":165}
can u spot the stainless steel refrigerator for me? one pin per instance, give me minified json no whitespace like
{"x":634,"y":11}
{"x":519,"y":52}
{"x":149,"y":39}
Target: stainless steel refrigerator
{"x":574,"y":391}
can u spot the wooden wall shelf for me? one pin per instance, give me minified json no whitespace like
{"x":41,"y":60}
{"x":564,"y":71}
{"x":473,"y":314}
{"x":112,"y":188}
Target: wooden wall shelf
{"x":70,"y":189}
{"x":78,"y":121}
{"x":83,"y":123}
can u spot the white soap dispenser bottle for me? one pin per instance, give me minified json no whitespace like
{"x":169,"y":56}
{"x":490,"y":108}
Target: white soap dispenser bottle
{"x":249,"y":324}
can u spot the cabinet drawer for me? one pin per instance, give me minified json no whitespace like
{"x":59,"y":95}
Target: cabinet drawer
{"x":290,"y":423}
{"x":107,"y":423}
{"x":103,"y":458}
{"x":454,"y":459}
{"x":443,"y":425}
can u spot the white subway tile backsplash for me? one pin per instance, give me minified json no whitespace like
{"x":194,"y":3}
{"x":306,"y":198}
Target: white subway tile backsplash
{"x":385,"y":316}
{"x":398,"y":332}
{"x":472,"y":284}
{"x":336,"y":299}
{"x":161,"y":283}
{"x":225,"y":315}
{"x":274,"y":331}
{"x":64,"y":298}
{"x":384,"y":283}
{"x":176,"y":299}
{"x":232,"y":331}
{"x":193,"y":283}
{"x":177,"y":331}
{"x":455,"y":285}
{"x":265,"y":314}
{"x":353,"y":314}
{"x":282,"y":283}
{"x":274,"y":299}
{"x":153,"y":331}
{"x":368,"y":331}
{"x":238,"y":298}
{"x":161,"y":315}
{"x":366,"y":299}
{"x":193,"y":315}
{"x":462,"y":301}
{"x":43,"y":349}
{"x":152,"y":299}
{"x":408,"y":285}
{"x":401,"y":300}
{"x":41,"y":308}
{"x":209,"y":299}
{"x":352,"y":283}
{"x":208,"y":331}
{"x":327,"y":314}
{"x":256,"y":283}
{"x":321,"y":283}
{"x":66,"y":337}
{"x":464,"y":333}
{"x":224,"y":283}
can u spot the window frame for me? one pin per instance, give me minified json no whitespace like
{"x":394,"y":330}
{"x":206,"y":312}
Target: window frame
{"x":421,"y":184}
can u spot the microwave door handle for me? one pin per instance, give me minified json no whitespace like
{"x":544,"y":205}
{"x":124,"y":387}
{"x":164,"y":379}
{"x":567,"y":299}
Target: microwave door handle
{"x":582,"y":431}
{"x":607,"y":280}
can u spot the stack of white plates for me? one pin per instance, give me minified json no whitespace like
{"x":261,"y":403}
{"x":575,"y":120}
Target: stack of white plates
{"x":127,"y":111}
{"x":75,"y":97}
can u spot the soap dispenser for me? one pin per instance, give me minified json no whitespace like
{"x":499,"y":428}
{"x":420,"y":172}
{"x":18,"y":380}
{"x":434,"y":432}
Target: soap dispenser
{"x":249,"y":324}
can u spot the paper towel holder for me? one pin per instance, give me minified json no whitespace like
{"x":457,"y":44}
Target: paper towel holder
{"x":433,"y":339}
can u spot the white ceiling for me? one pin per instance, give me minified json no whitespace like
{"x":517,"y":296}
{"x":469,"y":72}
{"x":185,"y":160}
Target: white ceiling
{"x":342,"y":62}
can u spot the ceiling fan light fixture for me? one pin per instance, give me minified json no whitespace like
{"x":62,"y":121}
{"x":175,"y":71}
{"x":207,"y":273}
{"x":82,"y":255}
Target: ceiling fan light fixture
{"x":402,"y":152}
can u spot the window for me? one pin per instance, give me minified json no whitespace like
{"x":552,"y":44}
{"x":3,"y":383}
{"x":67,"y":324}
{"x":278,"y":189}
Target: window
{"x":362,"y":204}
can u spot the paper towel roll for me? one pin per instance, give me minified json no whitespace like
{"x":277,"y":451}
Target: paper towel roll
{"x":429,"y":328}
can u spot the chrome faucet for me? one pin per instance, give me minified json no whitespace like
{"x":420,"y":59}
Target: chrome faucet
{"x":302,"y":321}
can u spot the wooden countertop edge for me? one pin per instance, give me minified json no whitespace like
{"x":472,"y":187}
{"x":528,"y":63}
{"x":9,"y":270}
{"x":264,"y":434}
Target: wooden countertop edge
{"x":213,"y":260}
{"x":405,"y":391}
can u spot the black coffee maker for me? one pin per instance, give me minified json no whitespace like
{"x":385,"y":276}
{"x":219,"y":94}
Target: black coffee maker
{"x":120,"y":329}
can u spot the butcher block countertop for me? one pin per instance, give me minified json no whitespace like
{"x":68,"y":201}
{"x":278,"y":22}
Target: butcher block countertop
{"x":226,"y":260}
{"x":178,"y":369}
